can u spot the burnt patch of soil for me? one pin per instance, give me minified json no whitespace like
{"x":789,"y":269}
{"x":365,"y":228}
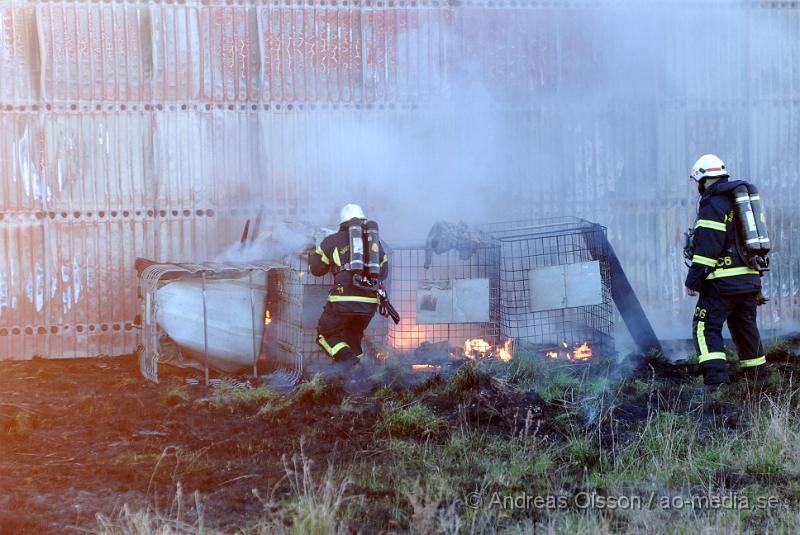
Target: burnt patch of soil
{"x":85,"y":436}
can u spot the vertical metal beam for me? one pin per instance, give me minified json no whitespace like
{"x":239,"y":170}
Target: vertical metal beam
{"x":205,"y":331}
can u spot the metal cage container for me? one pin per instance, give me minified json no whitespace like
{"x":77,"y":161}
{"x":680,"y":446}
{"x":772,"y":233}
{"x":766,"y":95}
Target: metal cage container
{"x":554,"y":282}
{"x":454,"y":300}
{"x":212,"y":316}
{"x":296,"y":308}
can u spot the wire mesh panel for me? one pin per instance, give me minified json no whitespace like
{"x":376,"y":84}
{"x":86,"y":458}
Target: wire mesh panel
{"x":554,"y":282}
{"x":464,"y":281}
{"x":206,"y":316}
{"x":295,"y":310}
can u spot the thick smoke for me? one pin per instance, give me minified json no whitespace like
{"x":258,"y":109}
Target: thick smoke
{"x":550,"y":112}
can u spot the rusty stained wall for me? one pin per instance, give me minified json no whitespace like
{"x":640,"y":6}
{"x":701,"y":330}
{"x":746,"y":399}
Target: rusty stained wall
{"x":155,"y":128}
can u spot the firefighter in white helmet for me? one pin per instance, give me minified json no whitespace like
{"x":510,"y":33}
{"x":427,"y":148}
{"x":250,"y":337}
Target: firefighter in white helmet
{"x":727,"y":286}
{"x":350,"y":306}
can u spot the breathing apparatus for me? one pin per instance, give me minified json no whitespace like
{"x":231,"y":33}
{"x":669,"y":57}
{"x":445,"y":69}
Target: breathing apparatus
{"x":752,"y":243}
{"x":365,"y":262}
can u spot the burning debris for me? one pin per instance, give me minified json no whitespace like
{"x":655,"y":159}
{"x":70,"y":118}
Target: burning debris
{"x":455,"y":305}
{"x":580,"y":352}
{"x":430,"y":368}
{"x":442,"y":357}
{"x":478,"y":348}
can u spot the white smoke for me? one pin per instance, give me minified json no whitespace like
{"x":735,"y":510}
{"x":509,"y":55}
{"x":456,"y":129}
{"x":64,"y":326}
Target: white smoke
{"x":277,"y":243}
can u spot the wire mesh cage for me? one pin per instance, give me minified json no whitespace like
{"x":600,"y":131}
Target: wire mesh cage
{"x":295,"y":310}
{"x":209,"y":316}
{"x":456,"y":299}
{"x":554,"y":282}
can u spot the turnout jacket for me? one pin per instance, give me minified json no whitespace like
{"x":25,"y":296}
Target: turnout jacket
{"x":333,"y":255}
{"x":717,"y":262}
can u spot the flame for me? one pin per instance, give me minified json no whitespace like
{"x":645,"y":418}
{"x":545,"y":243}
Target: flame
{"x":426,"y":367}
{"x":477,"y":348}
{"x":267,"y":319}
{"x":580,"y":352}
{"x":504,"y":351}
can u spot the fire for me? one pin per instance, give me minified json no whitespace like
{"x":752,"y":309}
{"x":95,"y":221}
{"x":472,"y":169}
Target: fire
{"x":267,"y":319}
{"x":504,"y":351}
{"x":580,"y":352}
{"x":426,"y":367}
{"x":478,"y":348}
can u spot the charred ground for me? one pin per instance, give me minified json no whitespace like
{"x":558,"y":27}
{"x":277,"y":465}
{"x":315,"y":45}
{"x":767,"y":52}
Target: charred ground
{"x":84,"y":437}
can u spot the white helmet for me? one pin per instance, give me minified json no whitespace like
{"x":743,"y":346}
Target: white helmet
{"x":708,"y":166}
{"x":350,"y":211}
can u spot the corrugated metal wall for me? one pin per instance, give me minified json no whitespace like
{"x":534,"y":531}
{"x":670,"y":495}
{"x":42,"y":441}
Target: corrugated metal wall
{"x":155,"y":128}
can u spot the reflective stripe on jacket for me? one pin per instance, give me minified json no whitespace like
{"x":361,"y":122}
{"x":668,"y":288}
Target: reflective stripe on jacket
{"x":332,"y":255}
{"x":716,"y":259}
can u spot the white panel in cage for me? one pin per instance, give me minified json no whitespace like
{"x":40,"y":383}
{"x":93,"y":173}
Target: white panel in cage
{"x":234,"y":318}
{"x":566,"y":286}
{"x":453,"y":301}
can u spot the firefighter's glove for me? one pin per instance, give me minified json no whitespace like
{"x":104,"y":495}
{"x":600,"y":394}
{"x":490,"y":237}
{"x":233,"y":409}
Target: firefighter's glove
{"x":761,"y":300}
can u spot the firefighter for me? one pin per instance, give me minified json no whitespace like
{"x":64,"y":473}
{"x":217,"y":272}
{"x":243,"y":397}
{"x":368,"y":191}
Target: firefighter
{"x":727,"y":286}
{"x":349,"y":308}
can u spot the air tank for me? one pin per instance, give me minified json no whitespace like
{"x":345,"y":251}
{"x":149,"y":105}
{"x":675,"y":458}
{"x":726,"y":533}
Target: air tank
{"x":373,"y":250}
{"x":746,"y":221}
{"x":760,"y":219}
{"x":355,"y":231}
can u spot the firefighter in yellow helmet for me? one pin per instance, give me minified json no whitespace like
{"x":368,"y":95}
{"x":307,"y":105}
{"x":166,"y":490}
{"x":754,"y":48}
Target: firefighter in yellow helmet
{"x":350,"y":306}
{"x":727,"y":286}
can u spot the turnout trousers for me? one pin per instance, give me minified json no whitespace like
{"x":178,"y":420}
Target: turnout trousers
{"x":712,"y":311}
{"x":340,"y":335}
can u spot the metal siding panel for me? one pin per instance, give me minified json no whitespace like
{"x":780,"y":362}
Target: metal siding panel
{"x":195,"y":131}
{"x":19,"y":55}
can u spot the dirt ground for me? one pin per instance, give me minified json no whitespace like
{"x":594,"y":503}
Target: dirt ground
{"x":80,"y":437}
{"x":85,"y":437}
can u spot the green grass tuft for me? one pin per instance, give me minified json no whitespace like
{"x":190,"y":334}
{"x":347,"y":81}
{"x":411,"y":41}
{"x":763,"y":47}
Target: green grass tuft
{"x":465,"y":379}
{"x":414,"y":421}
{"x":232,"y":397}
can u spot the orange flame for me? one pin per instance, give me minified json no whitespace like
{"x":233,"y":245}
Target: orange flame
{"x":504,"y":351}
{"x":477,"y":348}
{"x":426,"y":367}
{"x":267,"y":319}
{"x":580,"y":352}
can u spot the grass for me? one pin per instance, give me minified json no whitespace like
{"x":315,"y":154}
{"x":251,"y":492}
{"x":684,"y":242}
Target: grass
{"x":227,"y":396}
{"x":149,"y":521}
{"x":415,"y":420}
{"x":313,"y":389}
{"x":654,"y":441}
